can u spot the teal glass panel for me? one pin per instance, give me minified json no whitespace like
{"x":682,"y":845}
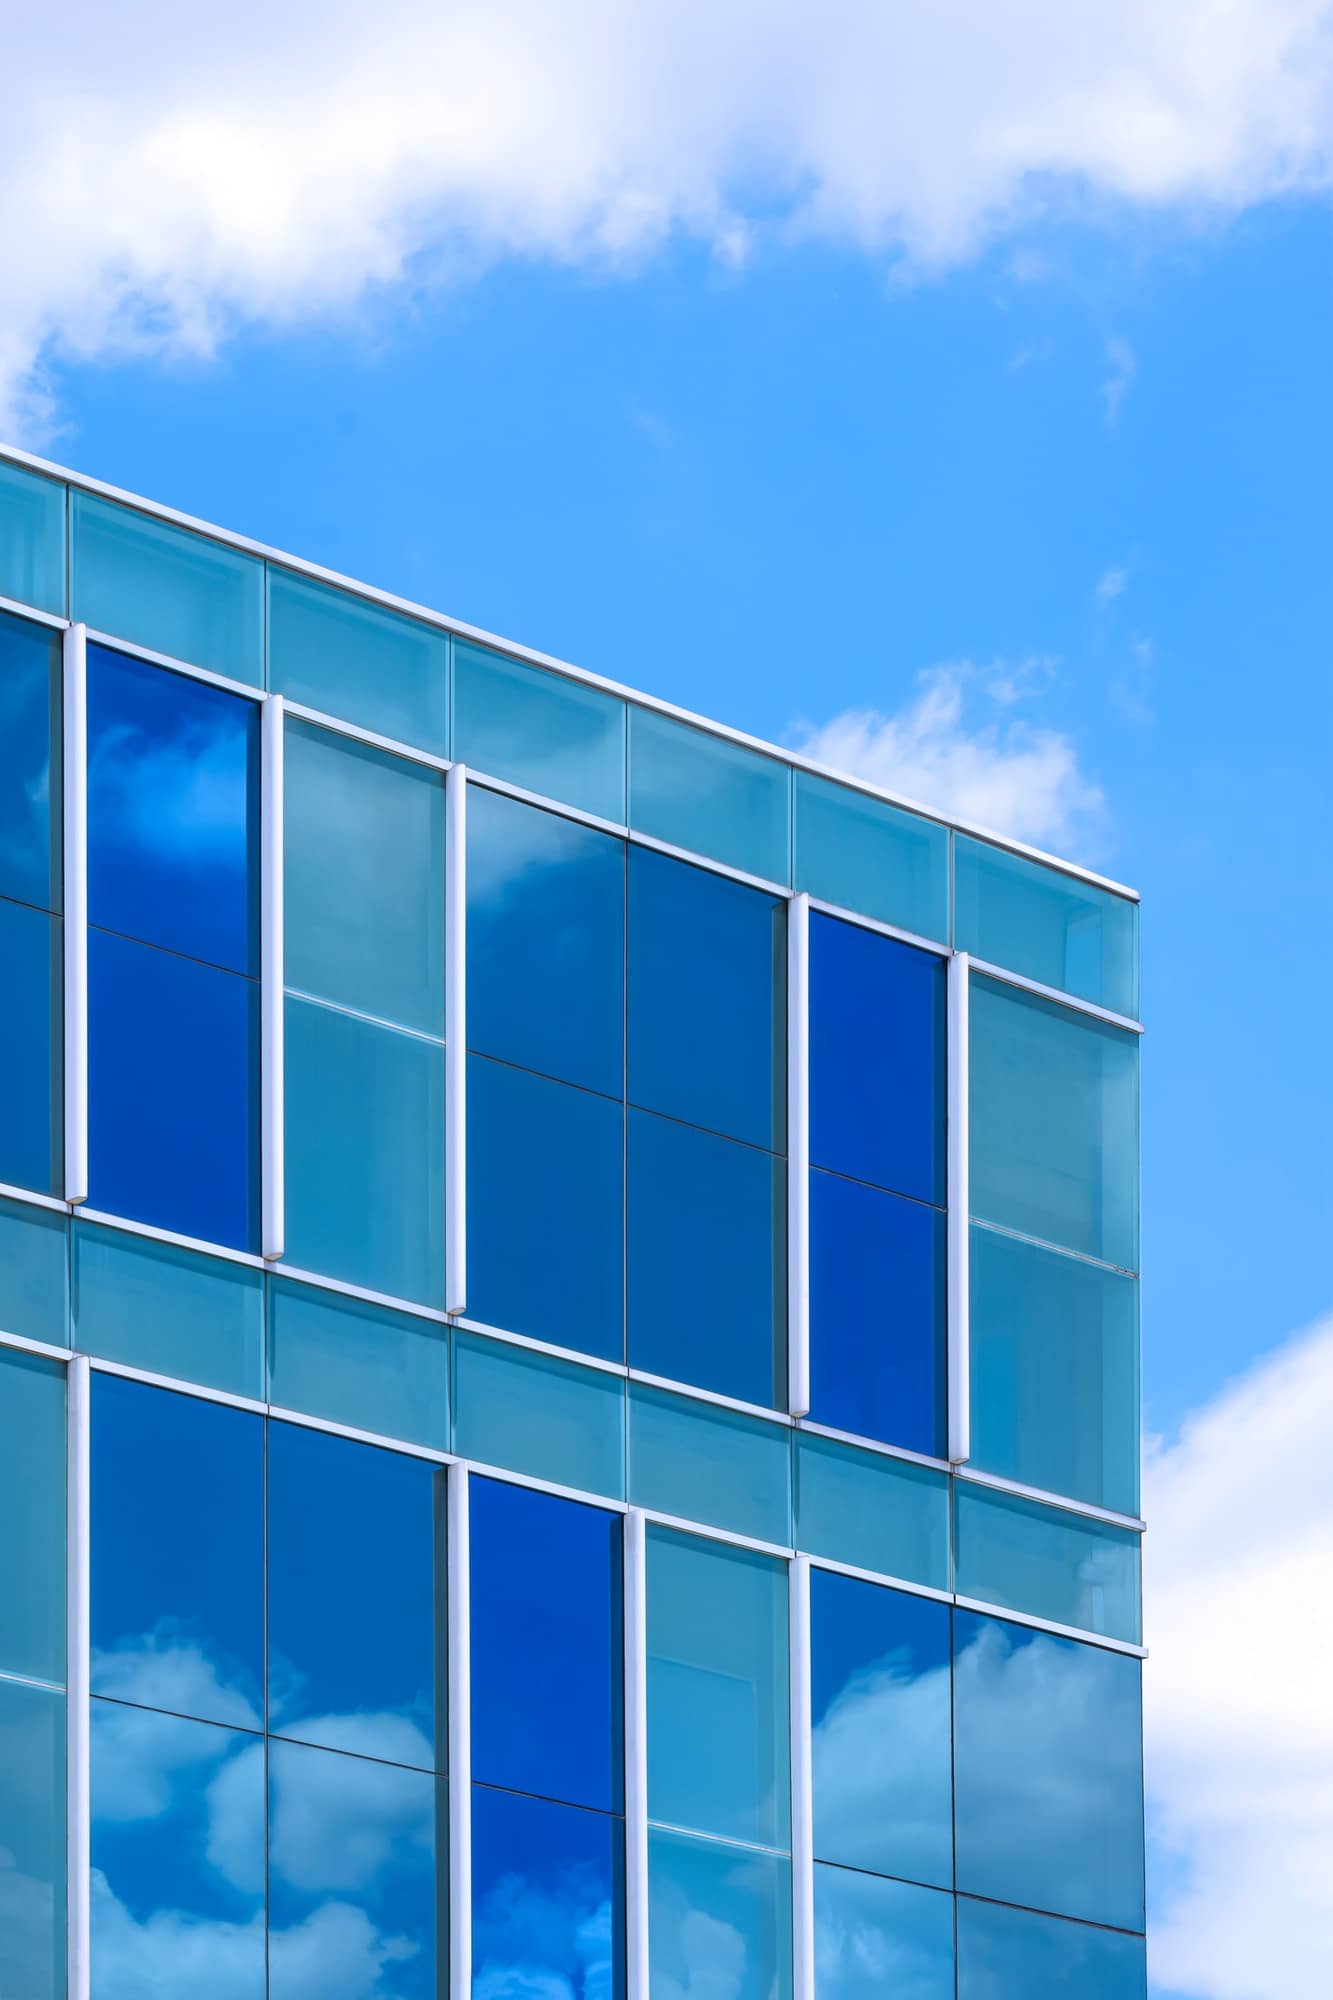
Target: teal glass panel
{"x":32,"y":1507}
{"x":356,"y":660}
{"x":1055,"y":1372}
{"x":719,"y":1920}
{"x":365,"y":1153}
{"x":31,"y":1031}
{"x":705,"y":1463}
{"x":710,"y":796}
{"x":717,"y":1689}
{"x":1046,"y":1561}
{"x":871,"y":1511}
{"x":871,"y":857}
{"x":32,"y":1272}
{"x":355,"y":1363}
{"x":166,"y":589}
{"x":528,"y":1412}
{"x":30,"y":697}
{"x":167,"y":1310}
{"x":1032,"y":919}
{"x":878,"y":1940}
{"x":364,"y":865}
{"x":32,"y":1842}
{"x":1006,"y":1954}
{"x":538,"y":730}
{"x":1054,"y":1123}
{"x":32,"y":539}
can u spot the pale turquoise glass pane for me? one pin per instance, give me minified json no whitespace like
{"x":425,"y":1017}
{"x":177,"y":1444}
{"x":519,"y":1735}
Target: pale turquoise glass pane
{"x":719,"y":1920}
{"x":705,"y":1463}
{"x":162,"y":587}
{"x":1032,"y":919}
{"x":530,"y":1413}
{"x":32,"y":1508}
{"x":355,"y":660}
{"x":871,"y":857}
{"x":32,"y":539}
{"x":170,"y":1311}
{"x":880,"y":1940}
{"x":1055,"y":1123}
{"x":32,"y":1272}
{"x":364,"y":860}
{"x":1055,"y":1372}
{"x":710,"y":796}
{"x":32,"y":1843}
{"x":359,"y":1364}
{"x":1006,"y":1954}
{"x":1046,"y":1561}
{"x":717,"y":1689}
{"x":873,"y":1512}
{"x":365,"y":1153}
{"x":536,"y":729}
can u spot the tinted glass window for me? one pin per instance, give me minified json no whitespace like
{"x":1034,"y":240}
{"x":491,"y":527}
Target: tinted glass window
{"x":711,"y":796}
{"x":875,"y":1938}
{"x":32,"y":539}
{"x":709,"y":1905}
{"x":870,"y":1510}
{"x":1046,"y":1560}
{"x":31,"y":1099}
{"x":546,"y":1898}
{"x":1018,"y":1955}
{"x":32,"y":1507}
{"x":29,"y":759}
{"x":538,"y":730}
{"x":171,"y":1311}
{"x":355,"y":659}
{"x":1018,"y":913}
{"x":32,"y":1272}
{"x":358,"y":1364}
{"x":701,"y":1462}
{"x":869,"y":856}
{"x":531,"y":1413}
{"x":32,"y":1838}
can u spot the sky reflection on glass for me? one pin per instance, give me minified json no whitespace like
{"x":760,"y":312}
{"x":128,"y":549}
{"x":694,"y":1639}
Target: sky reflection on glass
{"x":546,"y":1899}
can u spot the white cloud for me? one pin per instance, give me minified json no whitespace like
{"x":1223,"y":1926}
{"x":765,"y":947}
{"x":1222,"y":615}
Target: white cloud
{"x":1239,"y":1580}
{"x":1112,"y":583}
{"x":169,"y":175}
{"x":1121,"y":366}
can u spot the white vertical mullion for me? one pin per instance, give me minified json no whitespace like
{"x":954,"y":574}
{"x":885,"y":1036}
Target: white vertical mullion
{"x":798,"y":1155}
{"x":78,"y":1811}
{"x":959,"y":1289}
{"x":636,"y":1757}
{"x":75,"y":844}
{"x":272,"y":980}
{"x":802,"y":1782}
{"x":460,"y":1735}
{"x":455,"y":1040}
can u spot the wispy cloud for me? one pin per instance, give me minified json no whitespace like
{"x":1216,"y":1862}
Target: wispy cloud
{"x":1121,"y":368}
{"x":1112,"y":583}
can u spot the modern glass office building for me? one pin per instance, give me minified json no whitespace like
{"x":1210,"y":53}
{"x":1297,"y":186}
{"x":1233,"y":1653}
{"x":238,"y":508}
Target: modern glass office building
{"x":568,"y":1328}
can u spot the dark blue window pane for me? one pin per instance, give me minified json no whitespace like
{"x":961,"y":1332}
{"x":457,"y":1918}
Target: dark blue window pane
{"x":32,"y":1841}
{"x":876,"y":1314}
{"x":173,"y":1102}
{"x":877,"y":1074}
{"x":880,"y":1710}
{"x":31,"y":1100}
{"x":1017,"y":1955}
{"x":716,"y":1209}
{"x":546,"y":1646}
{"x":545,"y":1209}
{"x":547,"y":1913}
{"x":707,"y":999}
{"x":177,"y":1553}
{"x":546,"y":942}
{"x":355,"y":1596}
{"x":29,"y":763}
{"x":173,"y":811}
{"x":881,"y":1940}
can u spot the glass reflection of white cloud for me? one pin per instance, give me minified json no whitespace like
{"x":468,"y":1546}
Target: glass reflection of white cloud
{"x":193,"y":783}
{"x":710,"y":1957}
{"x":542,"y":1943}
{"x":876,"y":1938}
{"x":27,"y":1906}
{"x":881,"y":1771}
{"x":165,"y":1669}
{"x":337,"y":1822}
{"x":520,"y":843}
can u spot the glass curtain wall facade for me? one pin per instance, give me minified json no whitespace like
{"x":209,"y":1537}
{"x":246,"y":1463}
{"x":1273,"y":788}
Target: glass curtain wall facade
{"x":568,"y":1328}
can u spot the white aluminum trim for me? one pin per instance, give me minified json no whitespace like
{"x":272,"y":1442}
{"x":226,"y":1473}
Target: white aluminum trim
{"x":363,"y":1292}
{"x":338,"y":725}
{"x":460,"y":1734}
{"x":874,"y":1446}
{"x":1064,"y":1501}
{"x":557,"y":806}
{"x":802,"y":1781}
{"x":880,"y":1577}
{"x":31,"y":1681}
{"x":204,"y":1391}
{"x":455,"y":1040}
{"x":371,"y":1020}
{"x":710,"y":1533}
{"x":692,"y":1394}
{"x":865,"y":923}
{"x":687,"y":854}
{"x":148,"y":1230}
{"x":51,"y":1201}
{"x":1077,"y":1005}
{"x":272,"y":1041}
{"x":27,"y":1346}
{"x":1056,"y":1249}
{"x":546,"y":1347}
{"x":78,"y":1808}
{"x":636,"y":1757}
{"x":74,"y":764}
{"x":958,"y":1277}
{"x":36,"y":617}
{"x":246,"y":689}
{"x":1078,"y":1632}
{"x":551,"y":1486}
{"x":798,"y":1155}
{"x":281,"y":1414}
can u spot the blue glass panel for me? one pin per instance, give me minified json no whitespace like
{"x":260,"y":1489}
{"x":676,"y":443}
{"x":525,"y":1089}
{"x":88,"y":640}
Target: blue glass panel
{"x":1032,"y":919}
{"x":173,"y":1097}
{"x":354,"y":659}
{"x":546,"y":1589}
{"x":546,"y":942}
{"x":32,"y":1507}
{"x":1017,"y":1955}
{"x":168,"y":1310}
{"x":537,"y":729}
{"x":875,"y":1939}
{"x":1048,"y":1772}
{"x":874,"y":1512}
{"x":365,"y":1153}
{"x":877,"y":1348}
{"x":358,"y":1364}
{"x":881,"y":1721}
{"x":707,"y":999}
{"x":1055,"y":1372}
{"x":715,"y":1209}
{"x":168,"y":590}
{"x":714,"y":797}
{"x":352,"y":1877}
{"x":547,"y":1901}
{"x":705,"y":1463}
{"x":717,"y":1689}
{"x":364,"y":864}
{"x":178,"y":1552}
{"x":719,"y":1919}
{"x":871,"y":857}
{"x":31,"y":1027}
{"x":355,"y":1595}
{"x":877,"y":1064}
{"x":173,"y":811}
{"x":528,"y":1412}
{"x":32,"y":539}
{"x":1046,"y":1561}
{"x":177,"y":1856}
{"x":32,"y":1272}
{"x":29,"y":757}
{"x":545,"y":1209}
{"x":32,"y":1841}
{"x":1054,"y":1123}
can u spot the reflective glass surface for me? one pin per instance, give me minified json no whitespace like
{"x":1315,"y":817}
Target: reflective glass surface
{"x":1048,"y":1772}
{"x":711,"y":796}
{"x":719,"y":1919}
{"x":32,"y":1842}
{"x":29,"y":757}
{"x":868,"y":856}
{"x":546,"y":1899}
{"x":1018,"y":913}
{"x":357,"y":660}
{"x":872,"y":1511}
{"x":32,"y":1507}
{"x":170,"y":1311}
{"x":536,"y":729}
{"x":32,"y":539}
{"x":1047,"y":1561}
{"x":32,"y":1272}
{"x":705,"y":1463}
{"x":359,"y":1364}
{"x":31,"y":1099}
{"x":875,"y":1939}
{"x":1018,"y":1955}
{"x":530,"y":1413}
